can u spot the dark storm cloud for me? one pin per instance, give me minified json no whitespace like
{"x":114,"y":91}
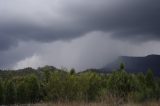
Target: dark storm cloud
{"x":130,"y":19}
{"x":47,"y":20}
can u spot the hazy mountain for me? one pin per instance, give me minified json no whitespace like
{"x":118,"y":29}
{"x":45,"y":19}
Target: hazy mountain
{"x":136,"y":64}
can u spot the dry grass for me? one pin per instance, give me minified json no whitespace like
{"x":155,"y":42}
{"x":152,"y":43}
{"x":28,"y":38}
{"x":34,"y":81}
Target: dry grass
{"x":93,"y":104}
{"x":105,"y":101}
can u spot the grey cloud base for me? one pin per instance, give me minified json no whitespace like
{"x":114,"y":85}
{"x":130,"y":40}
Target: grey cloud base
{"x":47,"y":21}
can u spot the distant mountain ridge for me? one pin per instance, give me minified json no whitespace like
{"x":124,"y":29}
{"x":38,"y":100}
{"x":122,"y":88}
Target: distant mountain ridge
{"x":136,"y":64}
{"x":132,"y":65}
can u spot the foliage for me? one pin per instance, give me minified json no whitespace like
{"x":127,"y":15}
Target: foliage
{"x":54,"y":85}
{"x":10,"y":92}
{"x":1,"y":93}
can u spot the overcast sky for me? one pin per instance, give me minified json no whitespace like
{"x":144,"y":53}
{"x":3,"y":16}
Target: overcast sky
{"x":76,"y":33}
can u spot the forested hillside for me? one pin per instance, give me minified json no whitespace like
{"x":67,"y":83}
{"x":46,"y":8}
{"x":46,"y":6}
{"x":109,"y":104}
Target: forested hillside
{"x":49,"y":84}
{"x":136,"y":64}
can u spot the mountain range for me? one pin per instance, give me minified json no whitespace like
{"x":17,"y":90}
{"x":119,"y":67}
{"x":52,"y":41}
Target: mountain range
{"x":135,"y":64}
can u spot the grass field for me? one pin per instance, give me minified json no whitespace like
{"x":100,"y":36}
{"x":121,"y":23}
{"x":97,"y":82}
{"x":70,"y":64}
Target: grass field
{"x":94,"y":104}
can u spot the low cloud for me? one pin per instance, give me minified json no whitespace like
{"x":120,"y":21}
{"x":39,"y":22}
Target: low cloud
{"x":94,"y":50}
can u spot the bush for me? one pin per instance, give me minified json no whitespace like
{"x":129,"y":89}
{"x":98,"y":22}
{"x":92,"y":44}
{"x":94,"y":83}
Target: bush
{"x":53,"y":85}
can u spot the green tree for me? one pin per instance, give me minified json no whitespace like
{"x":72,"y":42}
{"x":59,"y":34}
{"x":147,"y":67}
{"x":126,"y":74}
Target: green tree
{"x":55,"y":86}
{"x":46,"y":75}
{"x":33,"y":88}
{"x":72,"y":71}
{"x":70,"y":87}
{"x":89,"y":86}
{"x":94,"y":86}
{"x":1,"y":93}
{"x":120,"y":83}
{"x":10,"y":92}
{"x":122,"y":67}
{"x":150,"y":83}
{"x":22,"y":92}
{"x":149,"y":79}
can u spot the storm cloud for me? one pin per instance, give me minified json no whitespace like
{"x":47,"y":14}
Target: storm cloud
{"x":49,"y":21}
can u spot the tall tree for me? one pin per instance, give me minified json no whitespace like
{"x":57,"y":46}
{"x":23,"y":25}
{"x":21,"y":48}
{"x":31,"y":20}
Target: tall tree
{"x":10,"y":92}
{"x":1,"y":93}
{"x":149,"y":78}
{"x":22,"y":92}
{"x":33,"y":88}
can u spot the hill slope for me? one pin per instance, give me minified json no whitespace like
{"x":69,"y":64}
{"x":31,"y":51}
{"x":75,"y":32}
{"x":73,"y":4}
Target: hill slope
{"x":136,"y":64}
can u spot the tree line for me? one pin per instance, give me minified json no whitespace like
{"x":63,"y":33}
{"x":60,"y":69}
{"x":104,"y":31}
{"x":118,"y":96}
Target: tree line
{"x":52,"y":85}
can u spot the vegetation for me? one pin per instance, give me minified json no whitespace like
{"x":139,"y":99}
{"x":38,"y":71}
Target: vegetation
{"x":49,"y":84}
